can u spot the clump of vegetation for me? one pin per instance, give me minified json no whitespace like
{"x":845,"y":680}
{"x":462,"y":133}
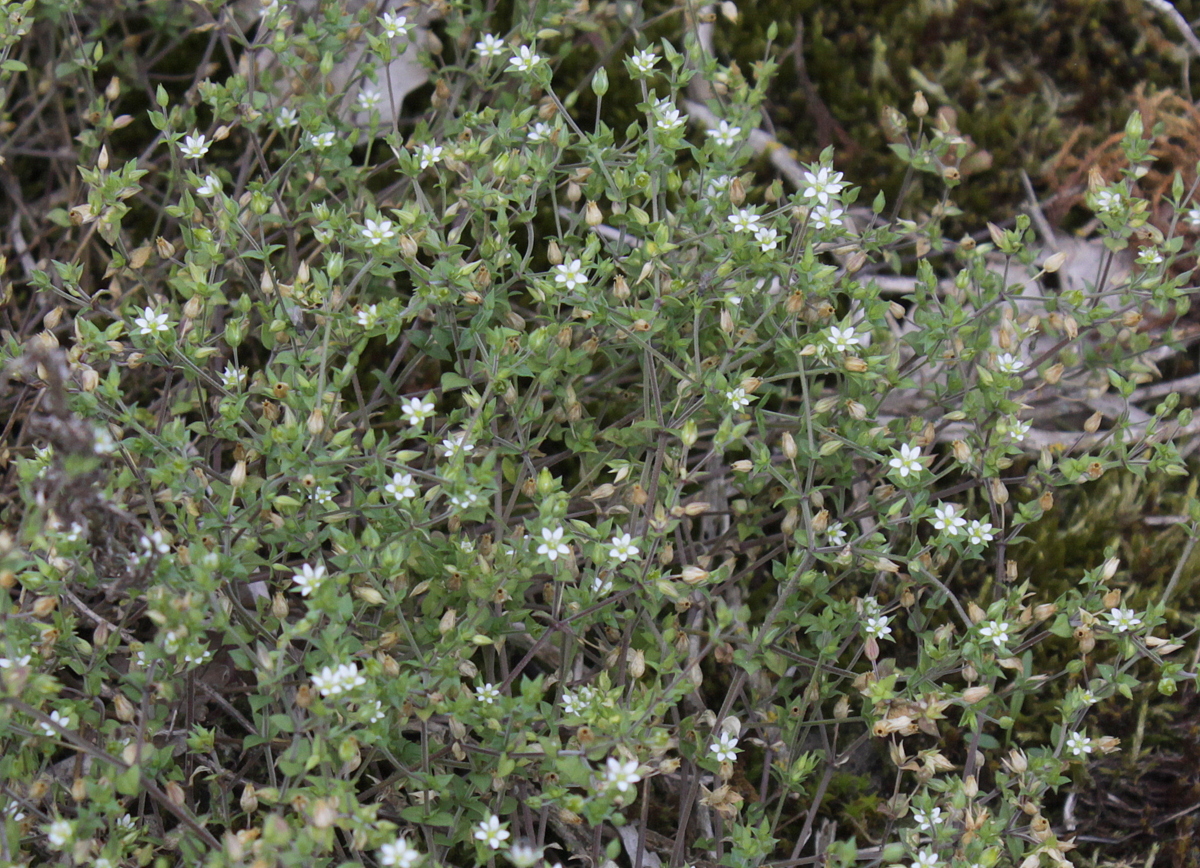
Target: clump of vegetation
{"x":494,"y":483}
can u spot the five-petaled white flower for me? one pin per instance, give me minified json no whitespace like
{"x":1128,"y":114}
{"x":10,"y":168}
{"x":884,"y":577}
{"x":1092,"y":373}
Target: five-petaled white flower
{"x":525,"y":60}
{"x":725,"y":749}
{"x":377,"y":232}
{"x":1107,"y":201}
{"x":457,"y":444}
{"x":643,"y":62}
{"x":488,"y":693}
{"x":466,"y":500}
{"x":63,"y":720}
{"x":210,"y":186}
{"x":623,"y":548}
{"x":1007,"y":363}
{"x":928,"y":820}
{"x":539,"y":132}
{"x":151,"y":322}
{"x":195,"y":146}
{"x":925,"y":859}
{"x":737,"y":398}
{"x":490,"y":46}
{"x":1193,"y":218}
{"x":844,"y":339}
{"x":744,"y":220}
{"x":826,"y":217}
{"x":401,"y":487}
{"x":836,"y":533}
{"x":524,"y":855}
{"x":430,"y":154}
{"x":321,"y":141}
{"x":725,"y":135}
{"x":1079,"y":744}
{"x":570,"y":275}
{"x":59,"y":833}
{"x":399,"y":854}
{"x":767,"y":238}
{"x":908,"y":461}
{"x":601,"y":586}
{"x":667,"y":116}
{"x":334,"y":682}
{"x":309,"y":578}
{"x":368,"y":97}
{"x":1015,"y":428}
{"x":393,"y":25}
{"x":822,"y":185}
{"x":552,"y":545}
{"x":1149,"y":256}
{"x":416,"y":410}
{"x":877,"y":627}
{"x":979,"y":532}
{"x":1123,"y":620}
{"x":154,"y":543}
{"x":491,"y":832}
{"x":996,"y":632}
{"x":622,"y":775}
{"x":286,"y":118}
{"x":368,"y":316}
{"x":947,"y":519}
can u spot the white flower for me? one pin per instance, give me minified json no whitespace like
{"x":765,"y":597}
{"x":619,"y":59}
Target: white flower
{"x":1123,"y":620}
{"x":1107,"y":201}
{"x":623,"y":548}
{"x":1193,"y":218}
{"x":151,"y":322}
{"x":309,"y":578}
{"x":393,"y":25}
{"x":457,"y":443}
{"x":744,"y":220}
{"x":488,"y":694}
{"x":210,"y":186}
{"x":368,"y":97}
{"x":1007,"y":363}
{"x":601,"y":586}
{"x":491,"y":833}
{"x":416,"y":410}
{"x":826,"y":217}
{"x":399,"y":854}
{"x":334,"y":682}
{"x":323,"y":495}
{"x":102,"y":441}
{"x":59,"y":833}
{"x":1017,"y":430}
{"x":622,"y":775}
{"x":286,"y":118}
{"x":75,"y":533}
{"x":524,"y":60}
{"x":430,"y":154}
{"x":401,"y":487}
{"x":524,"y":855}
{"x":925,"y":859}
{"x":466,"y":500}
{"x":154,"y":543}
{"x":996,"y":632}
{"x":737,"y":398}
{"x":321,"y":141}
{"x":725,"y":135}
{"x":767,"y":238}
{"x":643,"y":62}
{"x":844,"y":339}
{"x":368,"y":316}
{"x":571,"y":275}
{"x":822,"y":185}
{"x":377,"y":232}
{"x":1149,"y":256}
{"x":927,"y":820}
{"x":946,"y":518}
{"x":195,"y":146}
{"x":232,"y":378}
{"x":63,"y":720}
{"x":725,"y":749}
{"x":552,"y":545}
{"x":490,"y":46}
{"x":539,"y":132}
{"x":877,"y":627}
{"x":979,"y":532}
{"x":667,"y":117}
{"x":575,"y":701}
{"x":835,"y":533}
{"x":908,"y":461}
{"x":1079,"y":744}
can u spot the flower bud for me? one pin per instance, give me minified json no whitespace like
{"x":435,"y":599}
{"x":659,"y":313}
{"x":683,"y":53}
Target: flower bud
{"x":592,"y":215}
{"x":920,"y":106}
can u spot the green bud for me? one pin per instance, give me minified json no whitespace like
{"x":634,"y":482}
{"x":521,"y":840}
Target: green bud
{"x":600,"y":82}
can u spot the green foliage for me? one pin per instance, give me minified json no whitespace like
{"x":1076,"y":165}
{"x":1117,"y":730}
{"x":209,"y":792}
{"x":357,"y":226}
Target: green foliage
{"x":503,"y":480}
